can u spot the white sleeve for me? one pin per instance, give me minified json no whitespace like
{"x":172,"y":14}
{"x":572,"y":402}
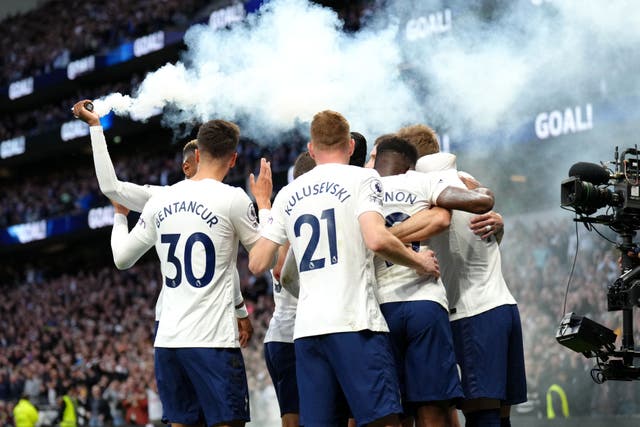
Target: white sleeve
{"x":370,"y":194}
{"x":436,"y":182}
{"x":245,"y":221}
{"x":289,"y":277}
{"x":130,"y":195}
{"x":128,"y":247}
{"x":237,"y":293}
{"x":274,"y":229}
{"x":264,"y":217}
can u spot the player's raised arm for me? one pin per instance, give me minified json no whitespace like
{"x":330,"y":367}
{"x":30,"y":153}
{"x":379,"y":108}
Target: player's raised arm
{"x":130,"y":195}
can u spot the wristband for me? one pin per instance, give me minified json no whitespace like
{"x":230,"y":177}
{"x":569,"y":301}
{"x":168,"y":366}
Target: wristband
{"x":241,"y":312}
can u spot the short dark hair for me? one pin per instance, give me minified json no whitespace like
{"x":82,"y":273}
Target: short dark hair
{"x":190,"y":148}
{"x":218,"y":138}
{"x":303,"y":164}
{"x":395,"y":144}
{"x":359,"y":156}
{"x":329,"y":129}
{"x":383,"y":138}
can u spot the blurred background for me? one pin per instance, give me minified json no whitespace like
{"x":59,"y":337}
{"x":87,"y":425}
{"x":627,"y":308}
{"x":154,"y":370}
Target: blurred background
{"x":518,"y":90}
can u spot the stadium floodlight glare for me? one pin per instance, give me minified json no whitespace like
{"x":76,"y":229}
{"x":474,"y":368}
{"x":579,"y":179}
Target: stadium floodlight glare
{"x":585,"y":336}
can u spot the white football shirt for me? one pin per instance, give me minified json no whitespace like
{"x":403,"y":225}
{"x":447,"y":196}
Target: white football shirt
{"x":284,"y":315}
{"x":470,"y":267}
{"x":196,"y":227}
{"x":404,"y":196}
{"x":318,"y":213}
{"x":130,"y":195}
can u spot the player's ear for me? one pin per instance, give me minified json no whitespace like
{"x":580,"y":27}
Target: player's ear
{"x":352,"y":146}
{"x":197,"y":153}
{"x":232,"y":160}
{"x":311,"y":150}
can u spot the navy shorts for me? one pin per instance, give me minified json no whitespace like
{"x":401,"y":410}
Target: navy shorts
{"x":281,"y":364}
{"x":202,"y":384}
{"x":342,"y":372}
{"x":423,"y":350}
{"x":490,"y":354}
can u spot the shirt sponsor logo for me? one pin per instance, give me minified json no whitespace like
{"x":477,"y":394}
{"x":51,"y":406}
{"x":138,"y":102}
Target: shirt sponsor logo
{"x":251,"y":215}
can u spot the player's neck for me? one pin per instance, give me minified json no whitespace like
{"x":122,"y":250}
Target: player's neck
{"x":323,"y":157}
{"x":216,"y":171}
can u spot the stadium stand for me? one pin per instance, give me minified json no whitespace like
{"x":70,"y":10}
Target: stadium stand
{"x":70,"y":322}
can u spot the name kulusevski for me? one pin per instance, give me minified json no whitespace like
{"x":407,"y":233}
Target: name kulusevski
{"x":195,"y":208}
{"x":331,"y":188}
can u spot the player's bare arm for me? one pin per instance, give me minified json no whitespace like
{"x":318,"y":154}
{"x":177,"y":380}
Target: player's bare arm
{"x":422,"y":225}
{"x":262,"y":255}
{"x":378,"y":239}
{"x":282,"y":253}
{"x":486,"y":224}
{"x":290,"y":277}
{"x":479,"y":200}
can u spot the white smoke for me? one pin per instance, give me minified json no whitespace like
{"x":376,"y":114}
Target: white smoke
{"x":283,"y":66}
{"x":292,"y":60}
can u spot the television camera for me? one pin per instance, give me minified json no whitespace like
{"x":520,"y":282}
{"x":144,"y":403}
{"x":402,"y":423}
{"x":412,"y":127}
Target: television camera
{"x":590,"y":187}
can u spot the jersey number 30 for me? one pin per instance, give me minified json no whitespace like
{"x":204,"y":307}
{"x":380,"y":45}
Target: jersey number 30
{"x":209,"y":262}
{"x":307,"y":263}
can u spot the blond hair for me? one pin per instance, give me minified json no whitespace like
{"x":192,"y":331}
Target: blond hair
{"x":329,"y":129}
{"x":422,"y":137}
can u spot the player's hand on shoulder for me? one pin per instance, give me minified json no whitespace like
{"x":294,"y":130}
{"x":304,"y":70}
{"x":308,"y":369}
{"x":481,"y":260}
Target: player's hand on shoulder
{"x":89,"y":117}
{"x":428,"y":264}
{"x":262,"y":187}
{"x":470,"y":182}
{"x":245,"y":331}
{"x":487,"y":224}
{"x":118,"y":208}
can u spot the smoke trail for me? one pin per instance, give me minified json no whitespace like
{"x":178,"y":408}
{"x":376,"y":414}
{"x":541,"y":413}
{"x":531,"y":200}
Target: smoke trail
{"x":473,"y":73}
{"x":285,"y":64}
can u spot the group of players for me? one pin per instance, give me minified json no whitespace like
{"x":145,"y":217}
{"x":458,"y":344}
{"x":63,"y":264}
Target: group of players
{"x":364,"y":327}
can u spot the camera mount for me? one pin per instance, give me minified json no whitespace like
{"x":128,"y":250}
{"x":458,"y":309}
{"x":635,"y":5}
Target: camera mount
{"x":584,"y":193}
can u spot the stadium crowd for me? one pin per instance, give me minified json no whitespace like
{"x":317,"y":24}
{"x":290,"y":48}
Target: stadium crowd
{"x":49,"y":117}
{"x":35,"y":197}
{"x":91,"y":331}
{"x":57,"y":32}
